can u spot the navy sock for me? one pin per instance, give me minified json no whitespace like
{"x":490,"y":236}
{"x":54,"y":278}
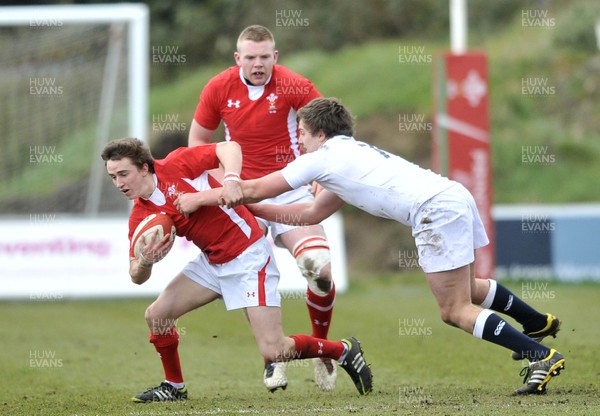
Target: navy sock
{"x":505,"y":301}
{"x":492,"y":328}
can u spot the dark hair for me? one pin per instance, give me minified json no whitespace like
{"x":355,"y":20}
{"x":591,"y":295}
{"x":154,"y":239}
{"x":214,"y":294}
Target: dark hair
{"x":129,"y":147}
{"x":327,"y":115}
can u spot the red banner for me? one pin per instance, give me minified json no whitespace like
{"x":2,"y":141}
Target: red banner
{"x":461,"y":148}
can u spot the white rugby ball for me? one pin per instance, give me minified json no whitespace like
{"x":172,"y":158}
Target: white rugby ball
{"x":143,"y":232}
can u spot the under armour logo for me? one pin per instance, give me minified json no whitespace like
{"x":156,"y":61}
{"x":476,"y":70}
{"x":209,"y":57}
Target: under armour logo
{"x":231,"y":103}
{"x":320,"y":352}
{"x":250,"y":294}
{"x":324,"y":323}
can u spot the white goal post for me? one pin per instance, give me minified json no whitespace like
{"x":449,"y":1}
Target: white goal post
{"x":137,"y":15}
{"x":126,"y":29}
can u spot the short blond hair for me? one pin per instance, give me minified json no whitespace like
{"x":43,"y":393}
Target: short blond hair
{"x":255,"y":33}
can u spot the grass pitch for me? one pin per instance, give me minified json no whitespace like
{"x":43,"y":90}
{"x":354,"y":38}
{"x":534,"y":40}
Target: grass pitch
{"x":90,"y":357}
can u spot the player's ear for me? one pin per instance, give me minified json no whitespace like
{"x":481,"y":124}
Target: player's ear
{"x":275,"y":55}
{"x":236,"y":56}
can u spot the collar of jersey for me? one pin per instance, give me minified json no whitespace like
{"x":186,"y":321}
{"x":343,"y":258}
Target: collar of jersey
{"x":157,"y":197}
{"x":254,"y":91}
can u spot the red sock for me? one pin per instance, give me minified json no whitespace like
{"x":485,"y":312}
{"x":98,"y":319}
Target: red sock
{"x":166,"y":346}
{"x":311,"y":347}
{"x":320,"y":310}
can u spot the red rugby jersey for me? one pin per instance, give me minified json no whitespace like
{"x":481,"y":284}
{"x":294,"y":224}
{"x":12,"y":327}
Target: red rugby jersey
{"x":262,"y":119}
{"x":221,"y":233}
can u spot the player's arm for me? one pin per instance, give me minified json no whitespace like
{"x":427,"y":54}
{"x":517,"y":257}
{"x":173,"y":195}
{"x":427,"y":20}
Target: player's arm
{"x":268,"y":186}
{"x":230,"y":158}
{"x":199,"y":135}
{"x":190,"y":202}
{"x":253,"y":190}
{"x":324,"y":205}
{"x":139,"y":272}
{"x":140,"y":268}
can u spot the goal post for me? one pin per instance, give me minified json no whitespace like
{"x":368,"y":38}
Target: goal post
{"x":75,"y":76}
{"x":462,"y":142}
{"x":137,"y":18}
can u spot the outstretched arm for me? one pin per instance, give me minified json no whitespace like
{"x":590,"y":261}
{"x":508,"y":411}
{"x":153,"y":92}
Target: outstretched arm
{"x":324,"y":205}
{"x":253,"y":190}
{"x":268,"y":186}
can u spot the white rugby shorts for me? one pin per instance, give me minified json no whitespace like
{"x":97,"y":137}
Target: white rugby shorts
{"x":248,"y":280}
{"x":301,"y":194}
{"x":447,"y":229}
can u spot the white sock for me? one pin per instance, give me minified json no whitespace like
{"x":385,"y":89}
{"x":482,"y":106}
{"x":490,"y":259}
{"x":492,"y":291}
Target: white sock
{"x":178,"y":386}
{"x":343,"y":356}
{"x":480,"y":323}
{"x":489,"y":299}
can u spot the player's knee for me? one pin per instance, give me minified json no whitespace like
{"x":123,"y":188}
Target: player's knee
{"x":314,"y":261}
{"x":446,"y":318}
{"x":320,"y":286}
{"x":150,"y":313}
{"x":450,"y":316}
{"x":157,"y":319}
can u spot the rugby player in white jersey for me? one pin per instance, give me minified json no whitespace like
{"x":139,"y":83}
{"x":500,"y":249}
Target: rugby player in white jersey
{"x":441,"y":213}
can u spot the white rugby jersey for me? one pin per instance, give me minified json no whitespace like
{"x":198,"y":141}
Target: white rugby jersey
{"x":378,"y":182}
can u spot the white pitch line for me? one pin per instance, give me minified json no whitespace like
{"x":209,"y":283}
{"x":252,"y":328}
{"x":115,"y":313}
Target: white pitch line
{"x":219,"y":411}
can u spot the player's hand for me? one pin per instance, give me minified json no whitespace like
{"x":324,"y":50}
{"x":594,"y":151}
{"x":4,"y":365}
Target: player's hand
{"x":187,"y":203}
{"x":232,"y":195}
{"x":153,"y":251}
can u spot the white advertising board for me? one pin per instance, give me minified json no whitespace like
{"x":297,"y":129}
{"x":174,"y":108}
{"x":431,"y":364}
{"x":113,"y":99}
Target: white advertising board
{"x":48,"y":257}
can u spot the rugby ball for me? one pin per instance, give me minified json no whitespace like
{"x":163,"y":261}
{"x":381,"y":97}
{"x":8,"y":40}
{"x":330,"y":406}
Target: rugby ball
{"x":142,"y":234}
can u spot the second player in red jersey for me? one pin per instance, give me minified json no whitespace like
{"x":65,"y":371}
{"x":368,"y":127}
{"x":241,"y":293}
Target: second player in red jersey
{"x":262,"y":119}
{"x":257,"y":101}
